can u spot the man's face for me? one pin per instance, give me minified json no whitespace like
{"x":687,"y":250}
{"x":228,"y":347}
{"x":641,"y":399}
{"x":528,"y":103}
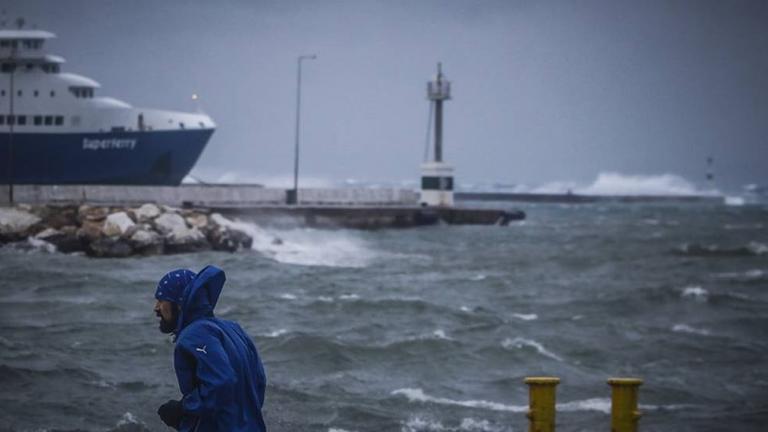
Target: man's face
{"x":166,"y":311}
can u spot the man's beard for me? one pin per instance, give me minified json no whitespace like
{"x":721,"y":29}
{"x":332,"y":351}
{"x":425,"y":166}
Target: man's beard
{"x":169,"y":326}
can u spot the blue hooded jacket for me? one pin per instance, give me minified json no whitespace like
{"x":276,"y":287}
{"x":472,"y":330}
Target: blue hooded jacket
{"x":219,"y":370}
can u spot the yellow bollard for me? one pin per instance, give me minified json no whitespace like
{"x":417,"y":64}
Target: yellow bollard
{"x":624,"y":412}
{"x":541,"y":406}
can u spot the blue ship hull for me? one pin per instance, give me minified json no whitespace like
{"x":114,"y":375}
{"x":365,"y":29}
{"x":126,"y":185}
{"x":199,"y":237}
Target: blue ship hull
{"x":116,"y":158}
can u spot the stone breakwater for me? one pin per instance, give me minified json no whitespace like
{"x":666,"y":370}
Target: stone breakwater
{"x":117,"y":231}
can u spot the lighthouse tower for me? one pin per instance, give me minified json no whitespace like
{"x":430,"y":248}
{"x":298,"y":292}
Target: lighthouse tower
{"x":436,"y":175}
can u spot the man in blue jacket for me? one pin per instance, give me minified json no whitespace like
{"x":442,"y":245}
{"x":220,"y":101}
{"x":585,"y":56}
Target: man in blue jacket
{"x":218,"y":368}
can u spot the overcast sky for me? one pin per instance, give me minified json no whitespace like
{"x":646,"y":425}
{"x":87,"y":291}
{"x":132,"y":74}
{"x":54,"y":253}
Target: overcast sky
{"x":542,"y":90}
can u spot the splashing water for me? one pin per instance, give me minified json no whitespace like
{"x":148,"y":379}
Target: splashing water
{"x":310,"y":247}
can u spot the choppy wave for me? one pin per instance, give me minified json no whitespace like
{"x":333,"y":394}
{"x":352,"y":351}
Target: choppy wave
{"x":695,"y":292}
{"x":418,"y":395}
{"x":526,"y":317}
{"x":754,"y":275}
{"x":602,"y":405}
{"x":520,"y":342}
{"x":31,"y":245}
{"x":275,"y":333}
{"x":733,"y":200}
{"x":129,"y":423}
{"x":696,"y":249}
{"x":419,"y":424}
{"x":311,"y":247}
{"x":612,"y":183}
{"x":685,"y":328}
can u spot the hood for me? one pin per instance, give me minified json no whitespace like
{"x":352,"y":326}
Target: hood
{"x":200,"y":296}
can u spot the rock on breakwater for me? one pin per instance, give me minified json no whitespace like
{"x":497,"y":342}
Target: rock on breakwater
{"x":119,"y":231}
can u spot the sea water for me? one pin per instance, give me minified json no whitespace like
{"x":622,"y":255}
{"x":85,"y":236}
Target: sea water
{"x":427,"y":329}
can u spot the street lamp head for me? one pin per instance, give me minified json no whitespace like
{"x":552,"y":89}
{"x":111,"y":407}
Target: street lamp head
{"x":307,"y":56}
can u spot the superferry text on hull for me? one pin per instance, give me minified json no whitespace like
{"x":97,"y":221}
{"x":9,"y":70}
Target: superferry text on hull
{"x":54,"y":129}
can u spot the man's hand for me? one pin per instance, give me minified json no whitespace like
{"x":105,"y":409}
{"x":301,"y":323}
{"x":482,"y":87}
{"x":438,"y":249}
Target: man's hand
{"x":170,"y":413}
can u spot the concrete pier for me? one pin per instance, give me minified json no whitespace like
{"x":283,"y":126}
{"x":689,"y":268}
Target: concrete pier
{"x":369,"y":217}
{"x":570,"y":198}
{"x":343,"y":207}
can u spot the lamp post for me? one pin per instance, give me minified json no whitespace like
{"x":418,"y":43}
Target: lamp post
{"x":293,"y":195}
{"x":11,"y":120}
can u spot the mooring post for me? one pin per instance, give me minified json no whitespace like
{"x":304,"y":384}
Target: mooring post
{"x":624,"y":411}
{"x":541,"y":406}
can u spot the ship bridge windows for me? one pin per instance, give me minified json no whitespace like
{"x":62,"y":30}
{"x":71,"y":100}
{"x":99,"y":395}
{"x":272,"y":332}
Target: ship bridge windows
{"x":50,"y":67}
{"x":82,"y":92}
{"x":32,"y":43}
{"x":32,"y":120}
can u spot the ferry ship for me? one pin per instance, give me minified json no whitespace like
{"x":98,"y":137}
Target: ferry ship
{"x":56,"y":129}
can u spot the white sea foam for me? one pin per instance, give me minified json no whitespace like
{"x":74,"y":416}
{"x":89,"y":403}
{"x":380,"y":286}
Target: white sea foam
{"x":311,"y":247}
{"x":757,"y":248}
{"x":338,"y":430}
{"x":602,"y":405}
{"x":440,"y":334}
{"x":349,"y":297}
{"x":325,"y":299}
{"x":287,"y":296}
{"x":474,"y":425}
{"x":749,"y":275}
{"x":520,"y":343}
{"x":684,"y":328}
{"x":418,"y":395}
{"x":465,"y":309}
{"x":276,"y":333}
{"x":695,"y":292}
{"x":478,"y":277}
{"x":127,"y":419}
{"x":612,"y":183}
{"x":418,"y":424}
{"x":525,"y":317}
{"x":283,"y":182}
{"x":735,"y":201}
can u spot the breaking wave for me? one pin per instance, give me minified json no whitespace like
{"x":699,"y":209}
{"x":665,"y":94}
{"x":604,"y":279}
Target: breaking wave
{"x":418,"y":395}
{"x":695,"y":249}
{"x":520,"y":343}
{"x":612,"y":183}
{"x":310,"y":247}
{"x":602,"y":405}
{"x":684,"y":328}
{"x":419,"y":424}
{"x":695,"y":292}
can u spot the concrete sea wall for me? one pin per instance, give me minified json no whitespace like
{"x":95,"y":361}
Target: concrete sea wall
{"x":234,"y":195}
